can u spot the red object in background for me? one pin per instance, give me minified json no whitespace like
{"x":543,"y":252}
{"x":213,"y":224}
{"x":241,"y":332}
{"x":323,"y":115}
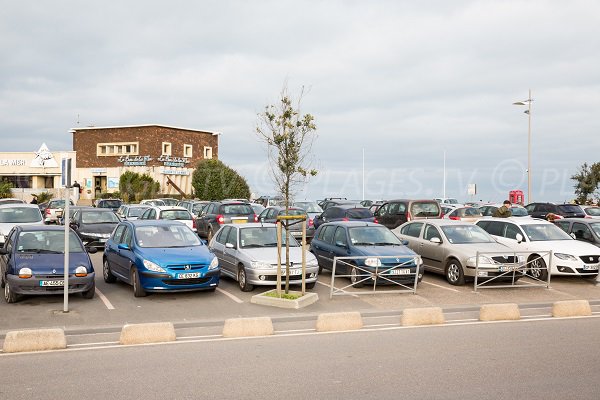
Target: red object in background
{"x":516,"y":197}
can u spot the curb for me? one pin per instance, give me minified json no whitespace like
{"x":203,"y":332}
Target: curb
{"x":499,"y":312}
{"x":344,"y":321}
{"x":242,"y":327}
{"x":147,"y":333}
{"x":571,"y":308}
{"x":422,"y":316}
{"x":34,"y":340}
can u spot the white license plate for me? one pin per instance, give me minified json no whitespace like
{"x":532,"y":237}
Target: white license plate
{"x":506,"y":268}
{"x":297,"y":271}
{"x":400,"y":271}
{"x":189,"y":275}
{"x":52,"y":283}
{"x":296,"y":233}
{"x":482,"y":273}
{"x":590,"y":267}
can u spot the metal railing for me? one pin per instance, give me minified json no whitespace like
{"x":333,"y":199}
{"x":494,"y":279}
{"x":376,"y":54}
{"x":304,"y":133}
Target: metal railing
{"x":377,"y":275}
{"x":525,"y":265}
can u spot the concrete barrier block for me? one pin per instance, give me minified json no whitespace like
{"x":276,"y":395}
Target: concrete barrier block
{"x":422,"y":316}
{"x":499,"y":312}
{"x":242,"y":327}
{"x":344,"y":321}
{"x":34,"y":340}
{"x":148,"y":333}
{"x":571,"y":308}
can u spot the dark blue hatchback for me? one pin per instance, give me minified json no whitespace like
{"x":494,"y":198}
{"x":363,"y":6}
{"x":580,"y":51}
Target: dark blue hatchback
{"x":379,"y":256}
{"x":158,"y":256}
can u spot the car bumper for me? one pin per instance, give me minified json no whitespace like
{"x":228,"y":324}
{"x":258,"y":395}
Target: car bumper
{"x":162,"y":282}
{"x":504,"y":272}
{"x":90,"y":241}
{"x":390,"y":274}
{"x":268,"y":277}
{"x":33,"y":285}
{"x":573,"y":268}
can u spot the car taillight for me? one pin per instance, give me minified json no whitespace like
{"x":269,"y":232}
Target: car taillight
{"x":587,"y":216}
{"x":311,"y":222}
{"x":455,"y":218}
{"x":375,"y":220}
{"x":345,"y":219}
{"x":193,"y":222}
{"x":255,"y":218}
{"x":220,"y":219}
{"x":47,"y":212}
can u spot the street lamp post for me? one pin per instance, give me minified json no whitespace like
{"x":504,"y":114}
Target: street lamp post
{"x":528,"y":112}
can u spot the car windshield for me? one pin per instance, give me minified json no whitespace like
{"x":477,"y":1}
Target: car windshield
{"x":359,"y":213}
{"x":110,"y":204}
{"x":518,"y":212}
{"x":425,"y":209}
{"x":19,"y":215}
{"x":569,"y":208}
{"x":244,"y":209}
{"x":176,"y":214}
{"x":593,"y":211}
{"x":372,"y":236}
{"x":50,"y":242}
{"x":543,"y":232}
{"x":596,"y":228}
{"x":262,"y":237}
{"x":309,"y":207}
{"x":461,"y":234}
{"x":97,"y":217}
{"x":178,"y":235}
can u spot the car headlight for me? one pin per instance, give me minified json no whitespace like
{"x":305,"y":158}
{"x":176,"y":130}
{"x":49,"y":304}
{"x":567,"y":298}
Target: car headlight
{"x":373,"y":262}
{"x":260,"y":264}
{"x":482,"y":260}
{"x":152,"y":266}
{"x":81,"y":271}
{"x":214,"y":263}
{"x":312,"y":263}
{"x":564,"y":256}
{"x":25,"y":273}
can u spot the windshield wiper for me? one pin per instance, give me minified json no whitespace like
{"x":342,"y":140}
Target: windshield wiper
{"x":255,"y":245}
{"x":46,"y":251}
{"x":386,"y":244}
{"x":363,"y":244}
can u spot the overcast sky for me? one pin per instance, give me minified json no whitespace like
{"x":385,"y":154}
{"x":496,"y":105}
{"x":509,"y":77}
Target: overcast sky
{"x":405,"y":81}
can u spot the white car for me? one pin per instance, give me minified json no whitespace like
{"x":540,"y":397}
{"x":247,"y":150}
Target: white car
{"x":591,"y":211}
{"x":538,"y":237}
{"x":18,"y":214}
{"x":173,"y":213}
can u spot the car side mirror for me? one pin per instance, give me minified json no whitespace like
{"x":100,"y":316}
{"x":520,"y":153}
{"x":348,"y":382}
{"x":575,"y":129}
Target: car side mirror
{"x":404,"y":242}
{"x":519,"y":237}
{"x":229,"y":246}
{"x":3,"y":251}
{"x":573,"y":235}
{"x":91,"y":250}
{"x":204,"y":242}
{"x":123,"y":246}
{"x":435,"y":240}
{"x":339,"y":243}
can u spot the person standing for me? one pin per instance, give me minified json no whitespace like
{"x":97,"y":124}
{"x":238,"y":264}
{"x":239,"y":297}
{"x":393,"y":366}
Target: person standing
{"x":76,"y":191}
{"x":504,"y":211}
{"x":34,"y":200}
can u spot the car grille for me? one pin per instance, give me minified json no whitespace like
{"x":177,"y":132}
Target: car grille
{"x":273,"y":278}
{"x":186,"y":267}
{"x":590,"y":259}
{"x":191,"y":281}
{"x":505,"y":259}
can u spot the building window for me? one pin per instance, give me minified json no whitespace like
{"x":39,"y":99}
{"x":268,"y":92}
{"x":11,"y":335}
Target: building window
{"x":166,"y":148}
{"x":207,"y":152}
{"x":117,"y":149}
{"x":187,"y":150}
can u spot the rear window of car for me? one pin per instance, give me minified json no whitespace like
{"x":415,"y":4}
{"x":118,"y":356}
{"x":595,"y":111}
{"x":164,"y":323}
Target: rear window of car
{"x":425,"y":209}
{"x":175,"y":214}
{"x":95,"y":217}
{"x":470,"y":212}
{"x":594,"y":211}
{"x":359,"y":213}
{"x":17,"y":215}
{"x":569,"y":208}
{"x":236,"y":209}
{"x":110,"y":204}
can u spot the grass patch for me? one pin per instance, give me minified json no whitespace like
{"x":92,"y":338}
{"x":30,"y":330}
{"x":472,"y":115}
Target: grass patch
{"x":288,"y":296}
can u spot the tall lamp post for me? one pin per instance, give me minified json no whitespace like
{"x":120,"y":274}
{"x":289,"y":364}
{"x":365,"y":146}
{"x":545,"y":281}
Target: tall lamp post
{"x":528,"y":112}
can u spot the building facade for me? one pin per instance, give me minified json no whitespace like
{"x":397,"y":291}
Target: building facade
{"x":167,"y":154}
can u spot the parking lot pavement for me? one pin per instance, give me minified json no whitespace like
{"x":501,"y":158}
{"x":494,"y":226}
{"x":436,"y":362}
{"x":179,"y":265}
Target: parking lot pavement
{"x":201,"y":313}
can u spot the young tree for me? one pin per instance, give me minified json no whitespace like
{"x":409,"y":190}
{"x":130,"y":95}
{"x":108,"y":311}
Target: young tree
{"x":134,"y":186}
{"x":213,"y":180}
{"x":289,"y":136}
{"x":5,"y":189}
{"x":588,"y":179}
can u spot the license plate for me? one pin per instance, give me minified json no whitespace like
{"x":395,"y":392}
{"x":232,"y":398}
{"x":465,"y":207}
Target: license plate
{"x":506,"y":268}
{"x":294,"y":233}
{"x":239,"y":221}
{"x":590,"y":267}
{"x":297,"y":271}
{"x":482,"y":273}
{"x":401,"y":271}
{"x":52,"y":283}
{"x":189,"y":275}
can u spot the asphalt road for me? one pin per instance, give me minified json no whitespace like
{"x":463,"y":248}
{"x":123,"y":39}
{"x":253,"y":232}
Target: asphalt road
{"x":539,"y":359}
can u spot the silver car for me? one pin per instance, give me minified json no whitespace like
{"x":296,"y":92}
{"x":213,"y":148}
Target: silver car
{"x":450,"y":247}
{"x":248,"y":254}
{"x":18,"y":214}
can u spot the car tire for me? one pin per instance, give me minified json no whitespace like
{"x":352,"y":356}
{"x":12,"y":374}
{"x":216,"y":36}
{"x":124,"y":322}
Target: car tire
{"x":243,"y":280}
{"x":355,"y":278}
{"x":538,"y":269}
{"x":209,"y":235}
{"x":9,"y":295}
{"x":311,"y":285}
{"x":138,"y":290}
{"x":106,"y":272}
{"x":455,"y":275}
{"x":89,"y":294}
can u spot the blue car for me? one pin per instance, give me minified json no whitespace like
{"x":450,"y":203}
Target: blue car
{"x":32,"y":263}
{"x":159,"y":256}
{"x":377,"y":250}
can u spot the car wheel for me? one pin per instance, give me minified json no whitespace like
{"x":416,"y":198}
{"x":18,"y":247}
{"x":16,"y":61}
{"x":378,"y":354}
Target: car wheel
{"x":209,"y":235}
{"x":454,"y":273}
{"x":311,"y":285}
{"x":89,"y":294}
{"x":138,"y":290}
{"x":538,"y":268}
{"x":9,"y":295}
{"x":106,"y":273}
{"x":243,"y":280}
{"x":355,"y":278}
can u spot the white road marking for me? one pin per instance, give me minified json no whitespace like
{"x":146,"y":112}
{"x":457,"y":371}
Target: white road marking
{"x":440,"y":286}
{"x":106,"y":302}
{"x":232,"y":297}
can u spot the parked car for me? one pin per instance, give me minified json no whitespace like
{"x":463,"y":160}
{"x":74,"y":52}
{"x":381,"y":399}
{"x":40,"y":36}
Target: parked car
{"x":11,"y":200}
{"x":448,"y":200}
{"x":311,"y":208}
{"x":54,"y":210}
{"x":396,"y":212}
{"x":153,"y":202}
{"x":360,"y":239}
{"x":218,"y":213}
{"x":258,"y":208}
{"x":248,"y":254}
{"x":541,"y":210}
{"x":193,"y":206}
{"x":270,"y":215}
{"x":570,"y":257}
{"x":113,"y":204}
{"x":12,"y":214}
{"x":450,"y":248}
{"x":375,"y":206}
{"x":584,"y":229}
{"x":591,"y":211}
{"x":131,"y":211}
{"x":169,"y":201}
{"x":347,"y":212}
{"x":72,"y":211}
{"x":159,"y":256}
{"x":338,"y":202}
{"x":465,"y":214}
{"x":173,"y":213}
{"x":32,"y":263}
{"x":94,"y":225}
{"x":516,"y":210}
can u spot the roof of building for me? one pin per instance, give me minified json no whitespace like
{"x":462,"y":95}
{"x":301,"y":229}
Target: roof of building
{"x":72,"y":130}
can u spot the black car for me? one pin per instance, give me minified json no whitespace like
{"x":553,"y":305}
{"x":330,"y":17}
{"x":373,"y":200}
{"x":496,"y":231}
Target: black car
{"x":347,"y":212}
{"x":541,"y":210}
{"x":94,"y":225}
{"x":396,"y":212}
{"x":270,"y":215}
{"x":584,"y":229}
{"x":217,"y":213}
{"x":113,"y":204}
